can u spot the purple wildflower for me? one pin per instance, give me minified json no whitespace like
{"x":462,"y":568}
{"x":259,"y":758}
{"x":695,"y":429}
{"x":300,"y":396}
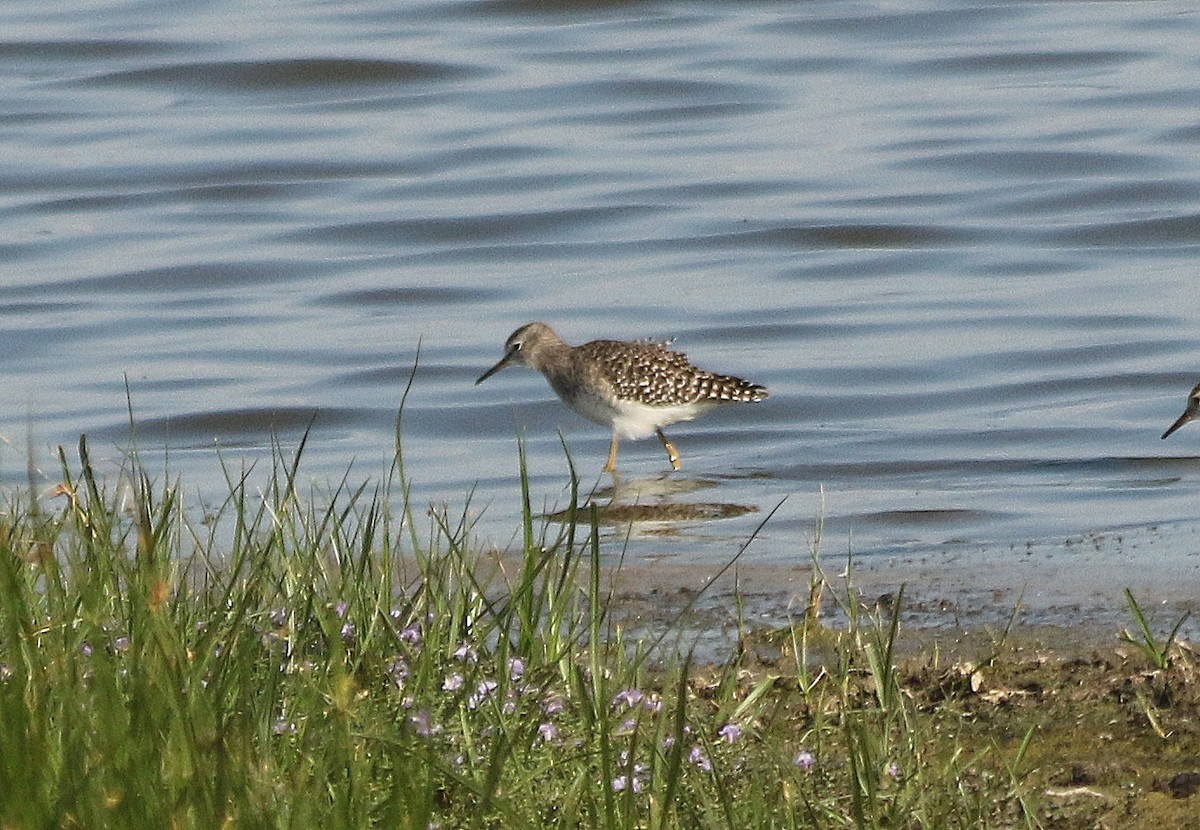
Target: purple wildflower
{"x":805,"y":760}
{"x":453,"y":683}
{"x":629,"y":697}
{"x":730,"y":732}
{"x":341,"y":608}
{"x":893,"y":770}
{"x":516,"y":668}
{"x":411,"y":634}
{"x":697,"y":757}
{"x":349,"y":632}
{"x":398,"y":671}
{"x":482,"y":692}
{"x":622,"y":782}
{"x":422,"y":723}
{"x":554,"y":706}
{"x":467,"y":654}
{"x":548,"y":732}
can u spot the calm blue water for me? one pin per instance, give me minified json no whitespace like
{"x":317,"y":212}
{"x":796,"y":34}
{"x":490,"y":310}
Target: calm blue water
{"x":957,"y":241}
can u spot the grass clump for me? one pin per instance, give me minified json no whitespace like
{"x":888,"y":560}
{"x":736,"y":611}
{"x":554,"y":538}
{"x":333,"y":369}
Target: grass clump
{"x":324,"y":660}
{"x":1156,"y":651}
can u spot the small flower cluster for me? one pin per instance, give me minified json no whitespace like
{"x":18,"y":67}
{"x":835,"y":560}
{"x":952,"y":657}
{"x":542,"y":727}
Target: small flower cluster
{"x":636,"y":705}
{"x":470,"y":678}
{"x":634,"y":778}
{"x":444,"y":687}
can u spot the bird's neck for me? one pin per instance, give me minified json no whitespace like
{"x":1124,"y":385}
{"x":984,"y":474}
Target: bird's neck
{"x":551,"y":358}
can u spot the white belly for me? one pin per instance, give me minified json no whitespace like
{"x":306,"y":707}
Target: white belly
{"x":634,"y":420}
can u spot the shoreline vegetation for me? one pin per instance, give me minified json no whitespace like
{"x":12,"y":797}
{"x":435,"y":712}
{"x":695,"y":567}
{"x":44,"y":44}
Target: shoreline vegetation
{"x":348,"y":659}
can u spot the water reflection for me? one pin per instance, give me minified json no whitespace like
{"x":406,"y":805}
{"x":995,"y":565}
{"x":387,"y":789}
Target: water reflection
{"x":653,"y":505}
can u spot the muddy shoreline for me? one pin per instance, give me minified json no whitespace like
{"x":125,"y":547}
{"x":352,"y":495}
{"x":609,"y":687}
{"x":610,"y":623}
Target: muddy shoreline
{"x":942,"y":600}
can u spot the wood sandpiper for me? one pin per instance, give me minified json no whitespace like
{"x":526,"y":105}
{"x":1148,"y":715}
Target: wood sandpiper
{"x":1189,"y":414}
{"x":636,"y":387}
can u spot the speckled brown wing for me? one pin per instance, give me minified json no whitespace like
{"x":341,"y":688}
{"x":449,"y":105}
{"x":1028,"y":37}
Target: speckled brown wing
{"x":649,"y":373}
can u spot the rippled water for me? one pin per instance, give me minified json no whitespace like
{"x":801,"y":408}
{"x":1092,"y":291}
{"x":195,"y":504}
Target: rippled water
{"x":957,"y":241}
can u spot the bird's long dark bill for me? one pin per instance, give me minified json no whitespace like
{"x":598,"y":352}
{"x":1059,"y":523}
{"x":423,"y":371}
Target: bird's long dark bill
{"x":500,"y":365}
{"x":1189,"y":415}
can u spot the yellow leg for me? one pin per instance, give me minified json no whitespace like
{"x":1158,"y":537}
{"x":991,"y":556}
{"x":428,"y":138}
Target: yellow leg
{"x":672,"y":453}
{"x":611,"y":466}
